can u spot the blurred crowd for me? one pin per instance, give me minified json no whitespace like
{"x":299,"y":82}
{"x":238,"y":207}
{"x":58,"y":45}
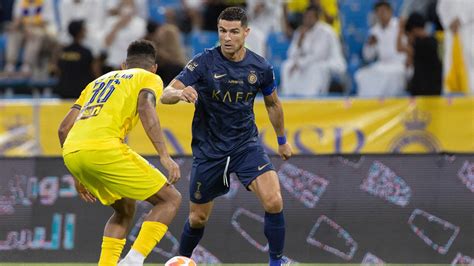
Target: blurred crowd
{"x":425,"y":49}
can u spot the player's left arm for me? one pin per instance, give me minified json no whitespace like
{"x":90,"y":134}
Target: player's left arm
{"x":275,"y":113}
{"x":151,"y":124}
{"x":68,"y":122}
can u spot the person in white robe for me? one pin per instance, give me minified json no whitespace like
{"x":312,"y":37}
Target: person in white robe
{"x":386,"y":76}
{"x":458,"y":15}
{"x":93,"y":12}
{"x":120,"y":30}
{"x":265,"y":16}
{"x":314,"y":57}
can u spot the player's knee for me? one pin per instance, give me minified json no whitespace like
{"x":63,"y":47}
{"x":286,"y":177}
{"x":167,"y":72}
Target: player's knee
{"x":198,"y":219}
{"x":273,"y":203}
{"x":126,"y":211}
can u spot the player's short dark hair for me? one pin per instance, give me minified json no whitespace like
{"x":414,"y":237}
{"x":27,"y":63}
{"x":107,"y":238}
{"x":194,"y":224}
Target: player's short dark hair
{"x":415,"y":21}
{"x":75,"y":27}
{"x":141,"y":53}
{"x":382,"y":3}
{"x":234,"y":13}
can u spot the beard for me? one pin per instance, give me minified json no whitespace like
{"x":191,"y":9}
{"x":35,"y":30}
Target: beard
{"x":233,"y":49}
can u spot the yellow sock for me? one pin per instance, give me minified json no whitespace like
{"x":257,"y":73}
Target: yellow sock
{"x":111,"y":250}
{"x":150,"y":234}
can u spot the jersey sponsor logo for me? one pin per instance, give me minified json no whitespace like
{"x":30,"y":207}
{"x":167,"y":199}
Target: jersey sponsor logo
{"x":90,"y":111}
{"x":262,"y":166}
{"x":234,"y":81}
{"x":232,"y":97}
{"x":218,"y":76}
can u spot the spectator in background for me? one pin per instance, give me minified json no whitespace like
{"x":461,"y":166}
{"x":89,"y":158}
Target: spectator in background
{"x":426,"y":8}
{"x":33,"y":23}
{"x":140,"y":6}
{"x":293,"y":13}
{"x":422,"y":57}
{"x":211,"y":10}
{"x":6,"y":7}
{"x":152,"y":33}
{"x":170,"y":56}
{"x":265,"y":16}
{"x":386,"y":76}
{"x":314,"y":56}
{"x":76,"y":64}
{"x":92,"y":12}
{"x":122,"y":27}
{"x":330,"y":11}
{"x":457,"y":18}
{"x":192,"y":11}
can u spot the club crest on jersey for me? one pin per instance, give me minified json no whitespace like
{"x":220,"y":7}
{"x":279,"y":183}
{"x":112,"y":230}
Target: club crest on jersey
{"x":252,"y":78}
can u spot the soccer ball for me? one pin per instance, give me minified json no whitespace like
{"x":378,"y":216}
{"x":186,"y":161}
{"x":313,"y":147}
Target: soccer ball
{"x":180,"y":261}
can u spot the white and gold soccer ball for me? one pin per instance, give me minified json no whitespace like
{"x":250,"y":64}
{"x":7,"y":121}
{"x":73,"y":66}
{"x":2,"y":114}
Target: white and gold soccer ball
{"x":180,"y":261}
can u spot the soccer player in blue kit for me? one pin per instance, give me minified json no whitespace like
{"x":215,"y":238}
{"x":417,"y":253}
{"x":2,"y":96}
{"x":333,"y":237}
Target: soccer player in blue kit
{"x":222,"y":82}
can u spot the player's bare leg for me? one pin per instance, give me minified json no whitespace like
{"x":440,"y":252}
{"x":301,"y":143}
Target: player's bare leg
{"x":267,"y":188}
{"x":120,"y":222}
{"x":166,"y":204}
{"x":194,"y":227}
{"x":116,"y":230}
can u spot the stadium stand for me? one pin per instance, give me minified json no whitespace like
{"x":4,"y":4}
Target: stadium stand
{"x":202,"y":39}
{"x":277,"y":45}
{"x":3,"y":45}
{"x":355,"y":19}
{"x":157,"y":9}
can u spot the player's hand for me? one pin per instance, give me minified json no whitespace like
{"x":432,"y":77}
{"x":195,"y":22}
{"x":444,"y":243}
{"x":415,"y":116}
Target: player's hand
{"x":174,"y":173}
{"x":372,"y":40}
{"x":285,"y":151}
{"x":189,"y":95}
{"x":84,"y":194}
{"x":455,"y":25}
{"x":294,"y":67}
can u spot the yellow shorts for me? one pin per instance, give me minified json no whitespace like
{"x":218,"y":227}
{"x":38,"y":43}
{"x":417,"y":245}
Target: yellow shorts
{"x":115,"y":173}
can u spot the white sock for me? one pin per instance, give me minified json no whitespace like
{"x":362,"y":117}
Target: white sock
{"x":133,"y":258}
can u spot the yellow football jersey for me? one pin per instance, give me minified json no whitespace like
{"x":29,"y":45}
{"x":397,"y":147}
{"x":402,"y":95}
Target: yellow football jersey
{"x":109,"y":109}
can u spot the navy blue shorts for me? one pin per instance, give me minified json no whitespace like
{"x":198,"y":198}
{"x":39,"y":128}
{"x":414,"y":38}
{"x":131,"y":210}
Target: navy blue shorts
{"x":210,"y":177}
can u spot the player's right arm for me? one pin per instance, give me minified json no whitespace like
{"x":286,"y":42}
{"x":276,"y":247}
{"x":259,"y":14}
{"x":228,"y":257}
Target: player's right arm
{"x":176,"y":91}
{"x":71,"y":117}
{"x":63,"y":131}
{"x":151,"y":124}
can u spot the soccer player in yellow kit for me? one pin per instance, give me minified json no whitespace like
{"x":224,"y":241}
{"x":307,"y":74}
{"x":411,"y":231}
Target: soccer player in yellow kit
{"x":92,"y":136}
